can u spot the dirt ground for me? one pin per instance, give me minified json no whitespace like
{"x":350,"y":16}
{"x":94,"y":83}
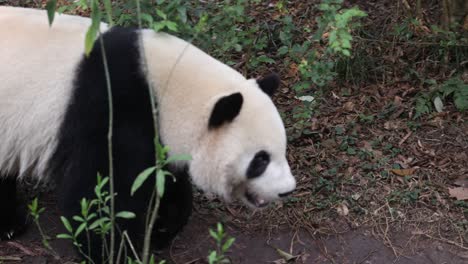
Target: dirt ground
{"x":358,"y":245}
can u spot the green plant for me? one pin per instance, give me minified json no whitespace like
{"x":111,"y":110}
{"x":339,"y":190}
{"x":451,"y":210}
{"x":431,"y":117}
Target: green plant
{"x":95,"y":218}
{"x":404,"y":196}
{"x":338,"y":22}
{"x":223,"y":243}
{"x":35,"y":212}
{"x":453,"y":88}
{"x":316,"y":65}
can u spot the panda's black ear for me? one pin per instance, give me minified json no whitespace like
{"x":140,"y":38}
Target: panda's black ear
{"x":269,"y":84}
{"x":225,"y":110}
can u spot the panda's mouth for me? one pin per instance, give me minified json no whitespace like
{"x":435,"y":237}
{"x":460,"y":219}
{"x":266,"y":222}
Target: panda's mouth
{"x":255,"y":200}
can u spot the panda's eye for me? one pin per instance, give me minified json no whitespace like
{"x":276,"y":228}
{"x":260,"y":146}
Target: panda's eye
{"x":258,"y":164}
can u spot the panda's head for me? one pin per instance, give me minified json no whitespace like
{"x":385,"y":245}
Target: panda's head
{"x":242,"y":155}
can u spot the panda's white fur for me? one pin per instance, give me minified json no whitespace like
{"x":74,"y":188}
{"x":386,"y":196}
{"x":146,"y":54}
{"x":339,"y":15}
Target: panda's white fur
{"x":177,"y":70}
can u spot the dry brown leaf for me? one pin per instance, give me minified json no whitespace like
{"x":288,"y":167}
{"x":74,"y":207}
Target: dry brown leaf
{"x":315,"y":124}
{"x":293,"y":70}
{"x":348,"y":106}
{"x":397,"y":100}
{"x":403,"y":172}
{"x":342,"y":209}
{"x":287,"y":257}
{"x":318,"y":168}
{"x":459,"y":193}
{"x":462,"y":182}
{"x":392,"y":125}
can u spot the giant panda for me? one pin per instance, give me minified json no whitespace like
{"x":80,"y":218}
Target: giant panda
{"x":54,"y":121}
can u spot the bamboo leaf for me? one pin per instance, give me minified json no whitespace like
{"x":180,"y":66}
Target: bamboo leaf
{"x":108,"y":8}
{"x":50,"y":7}
{"x":160,"y":182}
{"x":99,"y":222}
{"x":80,"y":229}
{"x":178,"y":157}
{"x":66,"y":224}
{"x":141,"y":178}
{"x":94,"y":28}
{"x":228,"y":244}
{"x":64,"y":236}
{"x":125,"y":215}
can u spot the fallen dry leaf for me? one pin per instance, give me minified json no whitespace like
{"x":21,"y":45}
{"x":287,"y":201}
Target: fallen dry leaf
{"x":459,"y":193}
{"x":397,"y":100}
{"x":392,"y":125}
{"x":403,"y":172}
{"x":342,"y":209}
{"x":285,"y":255}
{"x":462,"y":182}
{"x":348,"y":106}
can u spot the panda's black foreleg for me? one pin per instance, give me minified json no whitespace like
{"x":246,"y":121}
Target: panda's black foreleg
{"x":174,"y":212}
{"x":175,"y":209}
{"x":14,"y":215}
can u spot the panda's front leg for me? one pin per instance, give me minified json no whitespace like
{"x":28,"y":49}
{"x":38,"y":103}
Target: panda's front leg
{"x":14,"y":215}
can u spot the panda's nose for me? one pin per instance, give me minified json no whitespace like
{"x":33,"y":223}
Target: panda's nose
{"x":285,"y":194}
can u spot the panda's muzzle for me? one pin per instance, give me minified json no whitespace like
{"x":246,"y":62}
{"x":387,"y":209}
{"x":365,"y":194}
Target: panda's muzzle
{"x":255,"y":200}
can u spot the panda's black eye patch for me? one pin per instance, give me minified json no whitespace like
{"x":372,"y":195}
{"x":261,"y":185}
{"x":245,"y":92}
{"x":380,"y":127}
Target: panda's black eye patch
{"x":258,"y":164}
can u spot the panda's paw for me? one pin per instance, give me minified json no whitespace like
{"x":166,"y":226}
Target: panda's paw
{"x":10,"y":227}
{"x":8,"y":235}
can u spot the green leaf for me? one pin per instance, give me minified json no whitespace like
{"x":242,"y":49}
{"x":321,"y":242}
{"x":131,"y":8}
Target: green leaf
{"x":108,"y":8}
{"x":461,"y":102}
{"x":50,"y":7}
{"x":84,"y":207}
{"x":228,"y":244}
{"x":33,"y":206}
{"x":78,"y":218}
{"x":91,"y":216}
{"x":80,"y":229}
{"x":283,"y":50}
{"x":265,"y":59}
{"x":66,"y":224}
{"x":160,"y":182}
{"x":99,"y":222}
{"x":94,"y":28}
{"x":212,"y":257}
{"x":351,"y":151}
{"x":147,"y":17}
{"x":213,"y":234}
{"x":158,"y":26}
{"x":161,"y":14}
{"x":182,"y":10}
{"x":125,"y":215}
{"x":171,"y":26}
{"x":64,"y":236}
{"x":178,"y":157}
{"x":141,"y":178}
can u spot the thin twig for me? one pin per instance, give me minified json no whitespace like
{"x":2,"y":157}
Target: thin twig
{"x":445,"y":241}
{"x":109,"y":145}
{"x":155,"y":209}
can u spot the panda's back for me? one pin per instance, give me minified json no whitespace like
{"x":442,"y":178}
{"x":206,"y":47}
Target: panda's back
{"x":37,"y":70}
